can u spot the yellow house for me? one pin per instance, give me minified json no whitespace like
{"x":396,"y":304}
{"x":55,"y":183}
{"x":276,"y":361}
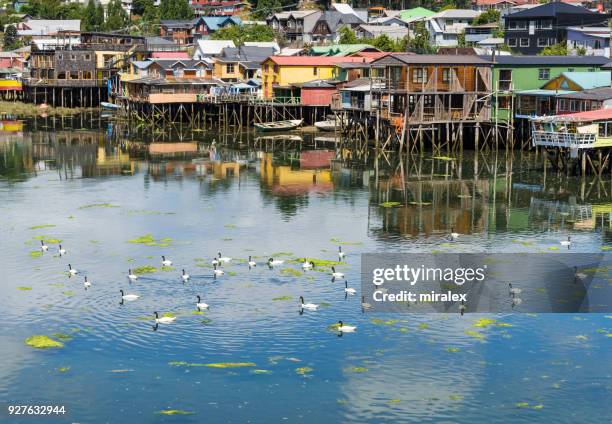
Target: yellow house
{"x":228,"y":70}
{"x":280,"y":72}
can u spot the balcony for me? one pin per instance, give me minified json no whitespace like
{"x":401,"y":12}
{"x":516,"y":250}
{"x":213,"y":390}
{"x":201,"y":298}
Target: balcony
{"x":563,"y":139}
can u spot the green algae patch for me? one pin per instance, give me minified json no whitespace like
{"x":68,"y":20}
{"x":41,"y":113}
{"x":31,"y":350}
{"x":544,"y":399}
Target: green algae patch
{"x":455,"y":397}
{"x":98,"y":205}
{"x":357,"y":370}
{"x":35,"y":254}
{"x":290,"y":272}
{"x":445,"y":158}
{"x":553,"y":248}
{"x":318,"y":262}
{"x":174,"y":412}
{"x":423,"y":326}
{"x":43,"y":342}
{"x":145,"y":269}
{"x":259,"y":371}
{"x":63,"y":369}
{"x":282,"y":298}
{"x":68,"y":293}
{"x":303,"y":370}
{"x":231,"y":364}
{"x":526,"y":405}
{"x":62,"y":336}
{"x":148,"y":240}
{"x":484,"y":323}
{"x":377,"y":321}
{"x":38,"y":227}
{"x":336,"y":240}
{"x":392,"y":401}
{"x":24,"y":288}
{"x":452,"y":349}
{"x":167,"y":268}
{"x":390,"y":204}
{"x":475,"y":334}
{"x":280,"y":254}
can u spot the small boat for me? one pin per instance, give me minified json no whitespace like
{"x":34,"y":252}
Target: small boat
{"x":329,"y":125}
{"x":279,"y":125}
{"x":111,"y":106}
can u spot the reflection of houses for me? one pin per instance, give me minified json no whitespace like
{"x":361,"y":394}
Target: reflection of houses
{"x":547,"y":214}
{"x":314,"y":174}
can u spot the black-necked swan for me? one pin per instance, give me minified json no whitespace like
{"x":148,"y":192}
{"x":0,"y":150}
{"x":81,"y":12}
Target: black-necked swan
{"x":185,"y":276}
{"x":43,"y":246}
{"x":346,"y":328}
{"x":200,"y":304}
{"x":308,"y":306}
{"x":349,"y":290}
{"x":166,"y":262}
{"x":86,"y":284}
{"x":453,"y":234}
{"x":132,"y":277}
{"x":567,"y":242}
{"x":224,"y":259}
{"x":128,"y":297}
{"x":217,"y":271}
{"x":513,"y":290}
{"x":364,"y":304}
{"x":341,"y":254}
{"x":336,"y":274}
{"x":71,"y":270}
{"x":273,"y":262}
{"x":163,"y":320}
{"x":462,"y":307}
{"x":252,"y":263}
{"x":307,"y":264}
{"x":61,"y":251}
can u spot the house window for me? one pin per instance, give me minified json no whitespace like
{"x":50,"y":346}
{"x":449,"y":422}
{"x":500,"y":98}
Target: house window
{"x":524,"y":42}
{"x":229,"y":68}
{"x":60,"y":57}
{"x":544,"y":24}
{"x":543,"y":42}
{"x":597,"y":44}
{"x":512,"y":25}
{"x":87,"y":57}
{"x":562,"y":105}
{"x":419,"y":75}
{"x":511,"y":42}
{"x":73,"y":57}
{"x":570,"y":69}
{"x":544,"y":73}
{"x":521,"y":25}
{"x":314,"y":70}
{"x":573,"y":105}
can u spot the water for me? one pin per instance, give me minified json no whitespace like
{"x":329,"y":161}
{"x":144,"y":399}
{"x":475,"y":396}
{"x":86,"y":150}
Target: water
{"x":257,"y":198}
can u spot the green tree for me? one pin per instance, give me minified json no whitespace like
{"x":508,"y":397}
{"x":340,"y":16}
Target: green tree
{"x":559,"y":49}
{"x":116,"y":16}
{"x":241,"y":33}
{"x":384,"y":43}
{"x":265,"y":8}
{"x":150,"y":18}
{"x":98,"y":23}
{"x":175,"y":9}
{"x":347,"y":36}
{"x":89,"y":20}
{"x":11,"y":40}
{"x":420,"y":42}
{"x":461,"y":39}
{"x":487,"y":17}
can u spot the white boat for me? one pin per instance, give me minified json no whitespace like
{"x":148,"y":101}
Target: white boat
{"x":279,"y":125}
{"x":329,"y":125}
{"x":111,"y":106}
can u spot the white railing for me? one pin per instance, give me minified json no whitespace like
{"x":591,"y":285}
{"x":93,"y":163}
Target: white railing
{"x":563,"y":139}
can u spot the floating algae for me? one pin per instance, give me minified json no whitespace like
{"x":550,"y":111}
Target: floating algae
{"x":35,"y":254}
{"x":475,"y":334}
{"x":392,"y":401}
{"x":258,"y":371}
{"x":277,"y":254}
{"x":231,"y":364}
{"x":167,"y":268}
{"x":377,"y":321}
{"x":282,"y":298}
{"x":145,"y":269}
{"x":318,"y":262}
{"x":63,"y":369}
{"x":24,"y":288}
{"x":291,"y":272}
{"x":336,"y":240}
{"x":455,"y":397}
{"x":37,"y":227}
{"x":526,"y":405}
{"x":303,"y":370}
{"x":62,"y":336}
{"x":174,"y":412}
{"x":148,"y":240}
{"x":42,"y":342}
{"x":423,"y":326}
{"x":446,"y":158}
{"x":484,"y":322}
{"x":390,"y":204}
{"x":356,"y":369}
{"x":98,"y":205}
{"x":452,"y":349}
{"x":68,"y":293}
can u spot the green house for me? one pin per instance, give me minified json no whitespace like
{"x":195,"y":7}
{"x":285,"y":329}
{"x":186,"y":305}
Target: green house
{"x":518,"y":73}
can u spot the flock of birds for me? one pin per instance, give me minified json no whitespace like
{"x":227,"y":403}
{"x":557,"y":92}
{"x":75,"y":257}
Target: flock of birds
{"x":220,"y":260}
{"x":217,"y":263}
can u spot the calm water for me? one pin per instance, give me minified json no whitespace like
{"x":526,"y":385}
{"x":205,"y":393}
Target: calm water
{"x":95,"y":186}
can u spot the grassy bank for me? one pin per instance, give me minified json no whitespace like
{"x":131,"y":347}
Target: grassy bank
{"x":29,"y":109}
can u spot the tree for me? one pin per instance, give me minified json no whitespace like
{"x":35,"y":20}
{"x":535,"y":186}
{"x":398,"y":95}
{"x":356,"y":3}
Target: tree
{"x":150,"y":18}
{"x":384,"y":43}
{"x":99,"y":21}
{"x":241,"y":33}
{"x":559,"y":49}
{"x":487,"y":17}
{"x":175,"y":9}
{"x":11,"y":39}
{"x":139,"y":6}
{"x":266,"y":8}
{"x":347,"y":36}
{"x":461,"y":39}
{"x":116,"y":17}
{"x":89,"y":20}
{"x":420,"y":42}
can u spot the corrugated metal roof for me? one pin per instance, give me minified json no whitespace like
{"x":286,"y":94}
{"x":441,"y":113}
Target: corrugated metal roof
{"x":591,"y":115}
{"x":427,"y":59}
{"x":588,"y":80}
{"x":599,"y":94}
{"x":314,"y":60}
{"x":553,"y":9}
{"x":549,"y":60}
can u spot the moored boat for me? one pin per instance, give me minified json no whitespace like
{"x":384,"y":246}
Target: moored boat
{"x":279,"y":125}
{"x":111,"y":106}
{"x":328,"y":125}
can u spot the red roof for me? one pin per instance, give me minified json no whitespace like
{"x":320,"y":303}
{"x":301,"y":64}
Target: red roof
{"x":591,"y":115}
{"x":315,"y":60}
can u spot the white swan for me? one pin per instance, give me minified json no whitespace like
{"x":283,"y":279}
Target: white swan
{"x":224,"y":259}
{"x":217,"y":271}
{"x":252,"y":263}
{"x":308,"y":306}
{"x":71,"y":270}
{"x":132,"y":277}
{"x":346,"y":328}
{"x":200,"y":304}
{"x":567,"y":242}
{"x":214,"y":261}
{"x":453,"y":234}
{"x":185,"y":276}
{"x":336,"y":274}
{"x":273,"y":262}
{"x":513,"y":291}
{"x":61,"y":251}
{"x":341,"y":254}
{"x":364,"y":304}
{"x":43,"y":246}
{"x":349,"y":290}
{"x":163,"y":320}
{"x":307,"y":264}
{"x":86,"y":284}
{"x":128,"y":297}
{"x":166,"y":262}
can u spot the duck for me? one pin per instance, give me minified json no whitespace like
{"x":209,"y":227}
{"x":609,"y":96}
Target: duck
{"x":166,"y":262}
{"x":61,"y":251}
{"x":43,"y":246}
{"x":567,"y":242}
{"x":579,"y":275}
{"x":273,"y":262}
{"x":252,"y":263}
{"x":341,"y":254}
{"x":71,"y":270}
{"x":216,"y":271}
{"x":364,"y":304}
{"x":307,"y":264}
{"x":308,"y":306}
{"x":462,"y":307}
{"x":336,"y":274}
{"x":453,"y":234}
{"x":128,"y":297}
{"x":132,"y":277}
{"x":185,"y":276}
{"x":224,"y":259}
{"x":86,"y":284}
{"x":163,"y":320}
{"x":346,"y":328}
{"x":349,"y":290}
{"x":200,"y":304}
{"x":513,"y":291}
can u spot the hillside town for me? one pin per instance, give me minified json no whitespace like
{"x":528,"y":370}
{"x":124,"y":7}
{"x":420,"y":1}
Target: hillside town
{"x":489,"y":68}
